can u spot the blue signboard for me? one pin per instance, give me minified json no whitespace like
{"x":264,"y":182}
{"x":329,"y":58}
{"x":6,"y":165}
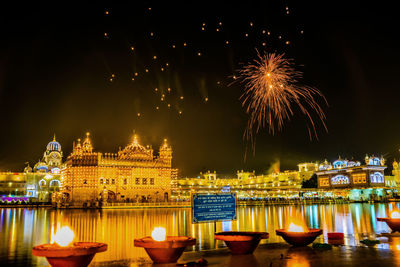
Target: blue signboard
{"x":212,"y":208}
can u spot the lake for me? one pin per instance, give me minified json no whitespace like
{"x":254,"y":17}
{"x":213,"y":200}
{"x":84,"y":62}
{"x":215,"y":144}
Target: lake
{"x":21,"y":229}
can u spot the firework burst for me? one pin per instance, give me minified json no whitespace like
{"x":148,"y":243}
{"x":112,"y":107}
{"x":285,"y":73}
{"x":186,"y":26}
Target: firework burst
{"x":271,"y":93}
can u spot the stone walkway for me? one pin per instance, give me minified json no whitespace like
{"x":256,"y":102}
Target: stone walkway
{"x":275,"y":255}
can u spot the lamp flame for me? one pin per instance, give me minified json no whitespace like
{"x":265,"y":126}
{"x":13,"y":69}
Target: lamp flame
{"x":63,"y":236}
{"x":159,"y":234}
{"x":295,"y":228}
{"x":395,"y":215}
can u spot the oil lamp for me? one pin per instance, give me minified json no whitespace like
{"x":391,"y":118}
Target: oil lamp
{"x":297,"y":234}
{"x":393,"y":221}
{"x":162,"y":248}
{"x":241,"y":242}
{"x":62,"y":252}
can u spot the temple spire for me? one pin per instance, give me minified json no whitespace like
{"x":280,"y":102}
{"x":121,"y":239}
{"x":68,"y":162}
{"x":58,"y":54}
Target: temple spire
{"x":87,"y":144}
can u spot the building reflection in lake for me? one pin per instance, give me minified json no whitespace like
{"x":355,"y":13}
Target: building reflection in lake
{"x":21,"y":229}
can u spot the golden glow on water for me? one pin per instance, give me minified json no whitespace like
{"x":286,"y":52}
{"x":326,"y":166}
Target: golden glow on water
{"x":21,"y":229}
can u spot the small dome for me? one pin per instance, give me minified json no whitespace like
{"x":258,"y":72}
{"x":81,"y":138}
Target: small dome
{"x":54,"y":145}
{"x":28,"y":169}
{"x":41,"y":166}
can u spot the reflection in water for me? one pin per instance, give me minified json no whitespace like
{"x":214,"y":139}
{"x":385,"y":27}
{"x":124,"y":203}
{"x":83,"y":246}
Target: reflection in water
{"x":21,"y":229}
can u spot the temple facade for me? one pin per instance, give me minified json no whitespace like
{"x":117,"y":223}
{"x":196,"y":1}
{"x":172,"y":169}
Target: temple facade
{"x":132,"y":174}
{"x":352,"y":174}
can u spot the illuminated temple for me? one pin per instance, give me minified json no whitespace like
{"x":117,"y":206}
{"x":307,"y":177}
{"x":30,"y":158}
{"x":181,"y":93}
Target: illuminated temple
{"x":133,"y":174}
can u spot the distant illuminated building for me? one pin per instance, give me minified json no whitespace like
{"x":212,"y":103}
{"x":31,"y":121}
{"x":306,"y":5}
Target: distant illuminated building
{"x":248,"y":184}
{"x":351,"y":174}
{"x":52,"y":159}
{"x":39,"y":182}
{"x":132,"y":174}
{"x":396,"y":173}
{"x":364,"y":181}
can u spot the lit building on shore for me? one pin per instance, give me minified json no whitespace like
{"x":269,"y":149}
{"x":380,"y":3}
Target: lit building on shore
{"x":360,"y":181}
{"x":37,"y":183}
{"x":248,"y":184}
{"x":131,"y":174}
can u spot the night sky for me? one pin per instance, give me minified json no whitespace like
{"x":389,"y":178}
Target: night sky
{"x":56,"y":64}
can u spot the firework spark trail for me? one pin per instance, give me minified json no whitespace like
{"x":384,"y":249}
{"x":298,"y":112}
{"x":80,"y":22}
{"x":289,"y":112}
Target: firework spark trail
{"x":271,"y":90}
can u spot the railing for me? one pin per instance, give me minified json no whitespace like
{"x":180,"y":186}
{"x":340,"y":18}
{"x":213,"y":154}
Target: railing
{"x":155,"y":204}
{"x":291,"y":202}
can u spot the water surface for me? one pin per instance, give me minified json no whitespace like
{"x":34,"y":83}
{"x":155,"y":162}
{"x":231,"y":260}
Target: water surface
{"x":21,"y":229}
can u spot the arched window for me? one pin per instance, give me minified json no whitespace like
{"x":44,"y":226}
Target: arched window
{"x":55,"y":183}
{"x":377,"y":177}
{"x":42,"y":182}
{"x":340,"y":179}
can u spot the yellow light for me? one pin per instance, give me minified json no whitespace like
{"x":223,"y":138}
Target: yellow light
{"x":395,"y":215}
{"x":159,"y":234}
{"x":295,"y":228}
{"x":155,"y":57}
{"x":63,"y":236}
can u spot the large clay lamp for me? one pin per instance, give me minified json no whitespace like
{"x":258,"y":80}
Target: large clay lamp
{"x":241,"y":242}
{"x":393,"y":221}
{"x":162,"y":248}
{"x":298,"y":235}
{"x":61,"y":252}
